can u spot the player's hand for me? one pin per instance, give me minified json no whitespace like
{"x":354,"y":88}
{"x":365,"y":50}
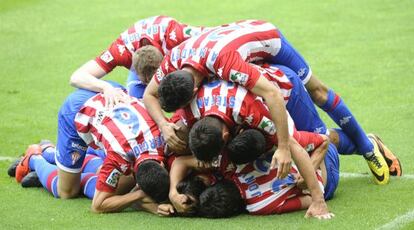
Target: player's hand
{"x":114,"y":96}
{"x":283,"y":160}
{"x":300,"y":182}
{"x":319,"y":209}
{"x":165,"y":209}
{"x":174,"y":143}
{"x":181,"y":203}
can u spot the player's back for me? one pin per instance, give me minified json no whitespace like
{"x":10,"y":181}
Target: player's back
{"x":127,"y":129}
{"x":261,"y":190}
{"x":163,"y":32}
{"x":252,"y":39}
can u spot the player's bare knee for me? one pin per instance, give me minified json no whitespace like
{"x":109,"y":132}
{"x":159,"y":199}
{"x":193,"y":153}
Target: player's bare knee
{"x":319,"y":95}
{"x":334,"y":137}
{"x":317,"y":90}
{"x":68,"y":193}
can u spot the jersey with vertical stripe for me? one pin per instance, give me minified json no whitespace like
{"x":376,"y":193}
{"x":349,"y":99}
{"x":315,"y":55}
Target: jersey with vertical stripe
{"x":257,"y":183}
{"x":161,"y":31}
{"x":262,"y":192}
{"x":126,"y":132}
{"x":235,"y":106}
{"x":225,"y":51}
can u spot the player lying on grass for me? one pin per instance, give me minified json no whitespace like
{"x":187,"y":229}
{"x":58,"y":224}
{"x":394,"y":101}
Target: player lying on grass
{"x":297,"y":101}
{"x":225,"y":52}
{"x":159,"y":34}
{"x":128,"y":136}
{"x":256,"y":187}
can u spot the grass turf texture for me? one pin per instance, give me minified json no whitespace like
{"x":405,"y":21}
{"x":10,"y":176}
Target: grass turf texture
{"x":362,"y":49}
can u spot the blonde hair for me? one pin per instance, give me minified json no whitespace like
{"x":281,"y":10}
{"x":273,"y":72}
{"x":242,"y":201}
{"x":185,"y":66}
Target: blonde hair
{"x":146,"y":61}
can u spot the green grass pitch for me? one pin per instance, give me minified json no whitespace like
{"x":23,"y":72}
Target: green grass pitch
{"x":362,"y":49}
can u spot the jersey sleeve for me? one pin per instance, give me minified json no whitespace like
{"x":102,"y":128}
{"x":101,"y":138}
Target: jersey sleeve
{"x":112,"y":169}
{"x":165,"y":68}
{"x":177,"y":32}
{"x":186,"y":116}
{"x":115,"y":55}
{"x":231,"y":67}
{"x":309,"y":140}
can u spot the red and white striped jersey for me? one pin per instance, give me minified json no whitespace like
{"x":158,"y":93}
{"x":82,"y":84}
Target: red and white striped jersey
{"x":225,"y":51}
{"x":234,"y":105}
{"x":127,"y":129}
{"x":260,"y":189}
{"x":161,"y":31}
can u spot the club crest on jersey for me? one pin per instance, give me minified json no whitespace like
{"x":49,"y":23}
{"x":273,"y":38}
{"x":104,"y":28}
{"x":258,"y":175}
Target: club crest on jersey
{"x":75,"y":157}
{"x":238,"y":77}
{"x":107,"y":57}
{"x":267,"y":125}
{"x":113,"y":178}
{"x":159,"y":74}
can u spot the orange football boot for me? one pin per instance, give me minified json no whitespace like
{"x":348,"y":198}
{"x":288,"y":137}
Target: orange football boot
{"x":393,"y":162}
{"x":22,"y":168}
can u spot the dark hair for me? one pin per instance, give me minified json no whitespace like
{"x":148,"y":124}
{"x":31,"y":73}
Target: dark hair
{"x":192,"y":186}
{"x":206,"y":139}
{"x":221,"y":200}
{"x":246,"y":146}
{"x":153,"y":179}
{"x":175,"y":90}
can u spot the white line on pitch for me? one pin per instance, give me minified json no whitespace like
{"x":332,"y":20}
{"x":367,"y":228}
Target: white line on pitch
{"x":358,"y":175}
{"x":399,"y":222}
{"x":7,"y":158}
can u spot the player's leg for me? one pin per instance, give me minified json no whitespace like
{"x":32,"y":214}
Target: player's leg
{"x":323,"y":97}
{"x":70,"y":148}
{"x":134,"y":84}
{"x":331,"y":103}
{"x":300,"y":105}
{"x":47,"y":149}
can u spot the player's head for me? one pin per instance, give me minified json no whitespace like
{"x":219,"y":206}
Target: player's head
{"x":246,"y":146}
{"x":221,"y":200}
{"x":153,"y":179}
{"x":176,"y":90}
{"x":207,"y":138}
{"x":192,"y":186}
{"x":146,"y":61}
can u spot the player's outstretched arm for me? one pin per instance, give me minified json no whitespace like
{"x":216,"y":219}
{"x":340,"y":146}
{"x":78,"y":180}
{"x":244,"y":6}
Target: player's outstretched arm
{"x":318,"y":155}
{"x":104,"y":202}
{"x":231,"y":66}
{"x":318,"y":207}
{"x":154,"y":109}
{"x":317,"y":158}
{"x":274,"y":100}
{"x":88,"y":77}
